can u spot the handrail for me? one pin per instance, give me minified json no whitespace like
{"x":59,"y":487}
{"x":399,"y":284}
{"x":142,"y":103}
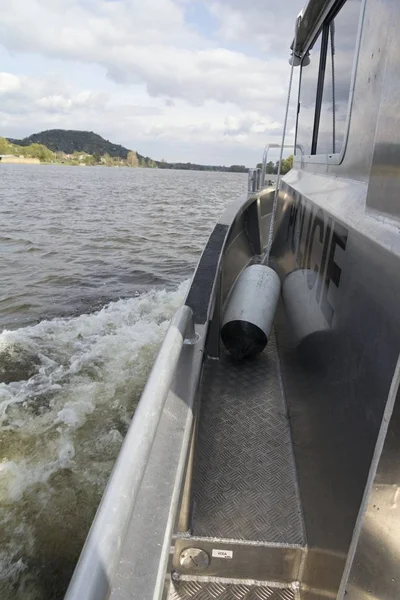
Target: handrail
{"x":99,"y":558}
{"x":264,"y":161}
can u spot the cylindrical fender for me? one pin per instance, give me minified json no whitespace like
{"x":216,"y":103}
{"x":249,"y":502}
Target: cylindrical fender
{"x":250,"y":311}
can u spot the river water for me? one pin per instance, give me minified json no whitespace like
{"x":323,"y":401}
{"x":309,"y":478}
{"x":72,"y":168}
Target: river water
{"x":93,"y":263}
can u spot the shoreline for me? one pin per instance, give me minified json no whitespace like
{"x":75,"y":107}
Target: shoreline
{"x":32,"y":162}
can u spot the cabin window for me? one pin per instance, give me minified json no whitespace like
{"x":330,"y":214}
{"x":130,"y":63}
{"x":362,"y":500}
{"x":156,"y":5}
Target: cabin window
{"x":308,"y":90}
{"x":326,"y":83}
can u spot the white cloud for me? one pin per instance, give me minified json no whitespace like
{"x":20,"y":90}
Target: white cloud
{"x":9,"y":83}
{"x":267,"y":25}
{"x":29,"y":95}
{"x":182,"y":85}
{"x":143,"y":43}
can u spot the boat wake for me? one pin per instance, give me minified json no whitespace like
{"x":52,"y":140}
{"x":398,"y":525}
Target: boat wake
{"x":68,"y":390}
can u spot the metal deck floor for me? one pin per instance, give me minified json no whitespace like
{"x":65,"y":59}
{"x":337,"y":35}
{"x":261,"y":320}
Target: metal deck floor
{"x":194,"y":590}
{"x":244,"y":478}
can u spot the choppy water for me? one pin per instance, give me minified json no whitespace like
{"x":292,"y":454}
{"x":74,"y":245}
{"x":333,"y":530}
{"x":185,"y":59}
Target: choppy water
{"x":93,"y":263}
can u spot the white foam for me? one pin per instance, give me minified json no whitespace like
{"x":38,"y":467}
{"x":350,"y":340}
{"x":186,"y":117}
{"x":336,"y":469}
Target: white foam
{"x":71,"y":415}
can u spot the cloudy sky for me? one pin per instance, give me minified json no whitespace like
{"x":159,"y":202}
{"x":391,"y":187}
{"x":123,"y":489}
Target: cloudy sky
{"x":185,"y":80}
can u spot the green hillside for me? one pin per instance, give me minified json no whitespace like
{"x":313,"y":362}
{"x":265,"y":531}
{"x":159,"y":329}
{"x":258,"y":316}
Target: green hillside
{"x":31,"y":150}
{"x":69,"y":146}
{"x":70,"y":141}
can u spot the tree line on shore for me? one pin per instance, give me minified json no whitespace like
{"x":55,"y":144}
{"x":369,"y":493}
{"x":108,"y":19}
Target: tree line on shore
{"x":86,"y":148}
{"x":272,"y":167}
{"x":81,"y":157}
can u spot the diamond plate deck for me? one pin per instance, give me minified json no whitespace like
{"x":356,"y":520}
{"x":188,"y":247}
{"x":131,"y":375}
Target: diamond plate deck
{"x":194,"y":590}
{"x":244,"y":479}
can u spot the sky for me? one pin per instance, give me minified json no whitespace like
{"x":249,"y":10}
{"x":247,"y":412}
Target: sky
{"x":182,"y":80}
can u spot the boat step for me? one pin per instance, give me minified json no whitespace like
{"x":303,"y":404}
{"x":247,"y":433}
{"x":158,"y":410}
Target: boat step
{"x":193,"y":557}
{"x":222,"y":590}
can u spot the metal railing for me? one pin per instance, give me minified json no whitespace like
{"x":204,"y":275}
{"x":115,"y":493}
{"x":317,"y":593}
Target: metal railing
{"x":93,"y":576}
{"x":265,"y":158}
{"x":256,"y":180}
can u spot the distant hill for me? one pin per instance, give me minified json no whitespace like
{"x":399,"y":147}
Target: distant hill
{"x":101,"y":151}
{"x":70,"y":141}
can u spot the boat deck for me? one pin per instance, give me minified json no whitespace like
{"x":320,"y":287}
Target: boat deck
{"x":195,"y":590}
{"x":245,"y":497}
{"x":244,"y":480}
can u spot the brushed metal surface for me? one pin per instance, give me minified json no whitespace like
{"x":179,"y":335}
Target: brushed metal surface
{"x":356,"y":160}
{"x":244,"y":480}
{"x":337,"y":380}
{"x":240,"y":241}
{"x":244,"y":560}
{"x":199,"y":590}
{"x":194,"y":558}
{"x":321,"y":574}
{"x":313,"y":15}
{"x":383,"y":192}
{"x":368,"y":82}
{"x":145,"y":550}
{"x":372,"y":570}
{"x":376,"y":571}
